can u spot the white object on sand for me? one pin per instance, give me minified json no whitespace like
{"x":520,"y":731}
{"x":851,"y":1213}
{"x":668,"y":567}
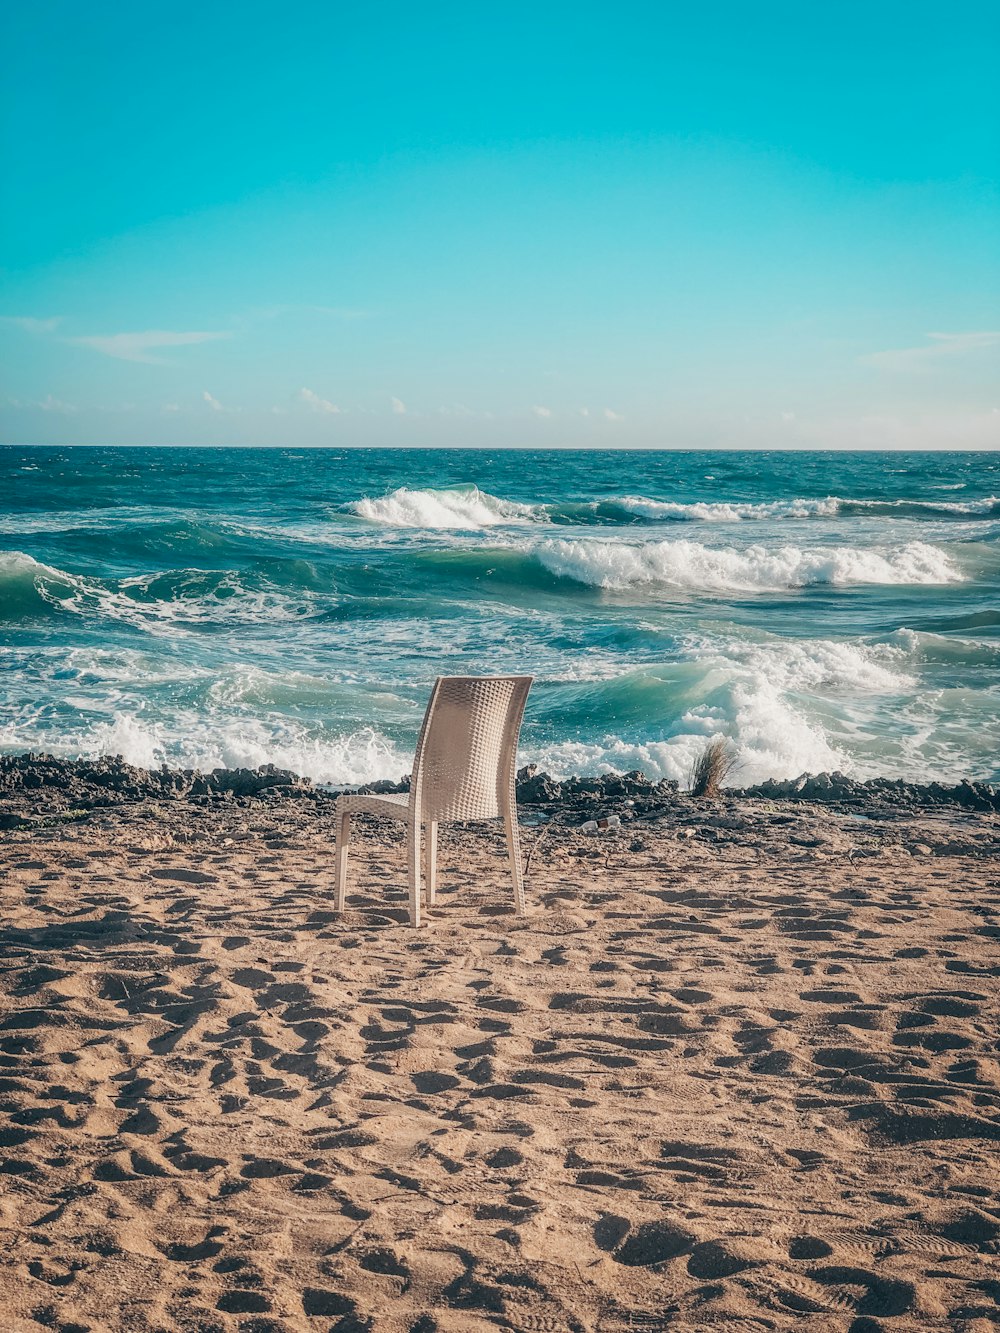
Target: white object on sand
{"x":464,"y":769}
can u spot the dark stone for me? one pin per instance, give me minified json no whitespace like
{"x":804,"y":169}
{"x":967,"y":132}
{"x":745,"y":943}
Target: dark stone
{"x":38,"y":786}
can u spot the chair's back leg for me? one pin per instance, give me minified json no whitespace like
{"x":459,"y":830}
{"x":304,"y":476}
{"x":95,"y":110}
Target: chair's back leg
{"x":430,"y":857}
{"x":343,"y":838}
{"x":514,"y":852}
{"x":413,"y":858}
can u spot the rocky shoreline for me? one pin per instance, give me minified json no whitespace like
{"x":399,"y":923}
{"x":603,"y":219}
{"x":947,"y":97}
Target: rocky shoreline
{"x":37,"y":785}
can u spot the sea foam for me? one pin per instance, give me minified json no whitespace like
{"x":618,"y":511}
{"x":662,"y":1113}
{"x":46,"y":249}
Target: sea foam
{"x":467,"y":508}
{"x":459,"y":507}
{"x":170,"y":602}
{"x":735,"y":512}
{"x":785,"y":707}
{"x":692,"y":566}
{"x":207,"y":741}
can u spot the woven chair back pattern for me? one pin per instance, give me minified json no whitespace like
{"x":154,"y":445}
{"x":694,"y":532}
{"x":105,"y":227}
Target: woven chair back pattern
{"x":464,"y":765}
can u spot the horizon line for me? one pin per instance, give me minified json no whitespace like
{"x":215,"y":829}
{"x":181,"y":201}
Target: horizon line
{"x":543,"y":448}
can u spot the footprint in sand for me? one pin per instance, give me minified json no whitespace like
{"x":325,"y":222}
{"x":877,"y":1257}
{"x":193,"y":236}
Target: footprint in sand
{"x":241,"y":1301}
{"x":808,"y":1247}
{"x":385,"y":1262}
{"x":648,"y":1244}
{"x":208,"y":1248}
{"x":317,"y":1301}
{"x":714,"y":1259}
{"x":266,"y":1168}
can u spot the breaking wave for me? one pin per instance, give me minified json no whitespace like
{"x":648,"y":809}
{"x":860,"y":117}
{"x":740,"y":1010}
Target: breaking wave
{"x":760,"y":694}
{"x":788,"y":707}
{"x":707,"y":512}
{"x":691,"y":566}
{"x":462,"y":507}
{"x":467,"y":508}
{"x":206,"y":742}
{"x":170,"y":600}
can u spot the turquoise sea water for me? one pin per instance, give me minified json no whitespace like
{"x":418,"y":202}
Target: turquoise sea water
{"x":224,"y":607}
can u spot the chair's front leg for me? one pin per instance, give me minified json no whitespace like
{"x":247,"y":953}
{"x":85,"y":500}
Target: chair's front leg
{"x":514,"y":852}
{"x":413,"y":858}
{"x":431,"y":860}
{"x":343,"y":838}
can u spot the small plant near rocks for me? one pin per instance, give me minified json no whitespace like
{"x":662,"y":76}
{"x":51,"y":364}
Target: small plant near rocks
{"x":712,"y":767}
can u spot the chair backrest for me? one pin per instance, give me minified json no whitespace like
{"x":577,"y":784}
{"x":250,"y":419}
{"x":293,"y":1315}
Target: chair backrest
{"x":467,"y":752}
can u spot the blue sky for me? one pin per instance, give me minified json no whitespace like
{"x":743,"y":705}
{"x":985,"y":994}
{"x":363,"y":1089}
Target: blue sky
{"x":663,"y":224}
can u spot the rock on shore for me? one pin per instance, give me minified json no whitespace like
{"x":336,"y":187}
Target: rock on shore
{"x":43,"y":782}
{"x":40,"y":782}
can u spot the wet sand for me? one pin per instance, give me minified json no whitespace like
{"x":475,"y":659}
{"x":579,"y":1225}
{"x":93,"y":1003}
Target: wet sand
{"x":737,"y":1069}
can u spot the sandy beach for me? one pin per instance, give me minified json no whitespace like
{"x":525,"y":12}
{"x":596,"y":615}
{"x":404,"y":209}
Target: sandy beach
{"x":737,"y":1069}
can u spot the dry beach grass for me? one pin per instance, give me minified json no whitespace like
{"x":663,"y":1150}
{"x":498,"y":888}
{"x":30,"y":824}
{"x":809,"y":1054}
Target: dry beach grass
{"x":737,"y":1069}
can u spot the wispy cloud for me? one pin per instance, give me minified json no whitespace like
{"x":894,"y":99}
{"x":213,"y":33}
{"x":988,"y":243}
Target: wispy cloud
{"x":46,"y":404}
{"x":28,"y":324}
{"x":544,"y":412}
{"x":940,"y":348}
{"x":610,"y":415}
{"x":398,"y":407}
{"x":140,"y":346}
{"x":213,"y":403}
{"x":317,"y":403}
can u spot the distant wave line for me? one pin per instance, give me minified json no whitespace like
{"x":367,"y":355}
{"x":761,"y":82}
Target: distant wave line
{"x":467,"y":507}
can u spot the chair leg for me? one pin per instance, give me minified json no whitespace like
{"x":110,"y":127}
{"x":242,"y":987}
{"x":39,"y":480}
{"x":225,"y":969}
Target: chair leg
{"x":514,"y":852}
{"x":413,"y":858}
{"x":430,"y":857}
{"x":343,"y":838}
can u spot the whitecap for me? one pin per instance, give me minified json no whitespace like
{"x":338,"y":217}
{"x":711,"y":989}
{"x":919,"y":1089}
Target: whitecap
{"x":462,"y":507}
{"x":692,"y":566}
{"x":212,"y":740}
{"x":706,"y":511}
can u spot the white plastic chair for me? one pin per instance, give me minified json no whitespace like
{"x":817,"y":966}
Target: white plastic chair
{"x":463,"y":769}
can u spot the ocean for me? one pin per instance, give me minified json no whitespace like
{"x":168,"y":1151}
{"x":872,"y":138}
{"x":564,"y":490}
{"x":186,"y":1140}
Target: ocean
{"x":227,"y":607}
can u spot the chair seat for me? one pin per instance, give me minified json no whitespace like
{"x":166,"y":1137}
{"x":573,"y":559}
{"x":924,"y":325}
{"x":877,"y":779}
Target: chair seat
{"x":390,"y":805}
